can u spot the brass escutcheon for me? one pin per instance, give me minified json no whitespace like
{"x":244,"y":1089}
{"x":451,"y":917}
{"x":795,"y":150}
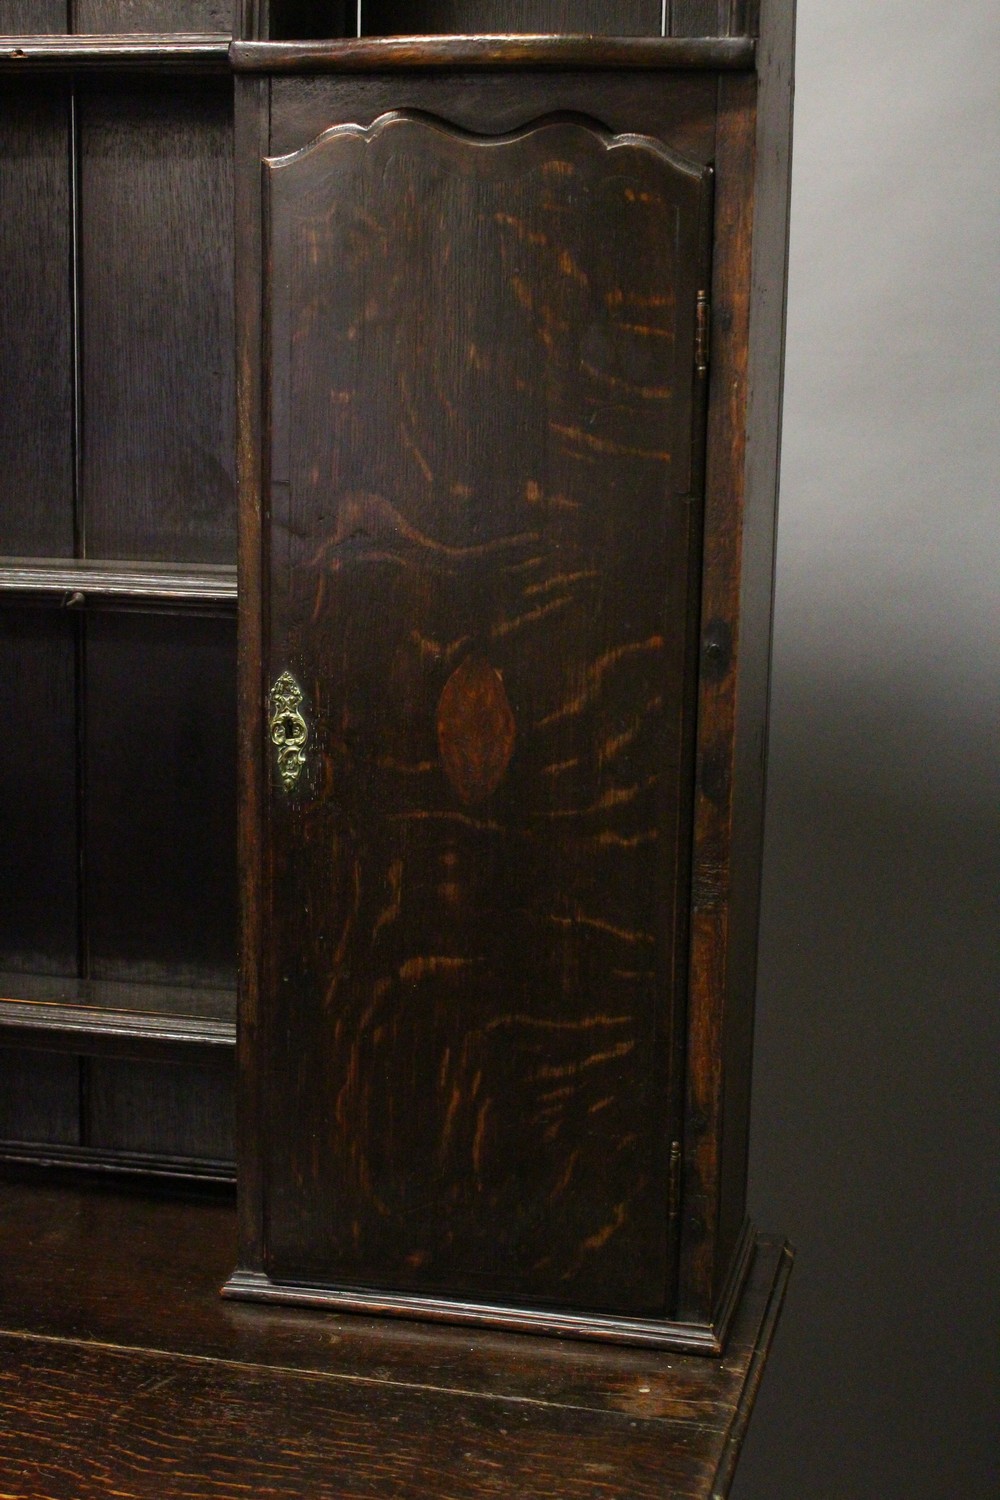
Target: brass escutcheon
{"x":289,"y":730}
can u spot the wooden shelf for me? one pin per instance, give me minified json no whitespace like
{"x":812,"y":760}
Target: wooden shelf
{"x":128,"y":1164}
{"x":95,"y":1018}
{"x":118,"y":585}
{"x":375,"y":54}
{"x":179,"y":51}
{"x":111,"y":1308}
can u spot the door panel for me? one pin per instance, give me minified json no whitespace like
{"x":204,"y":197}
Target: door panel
{"x":481,"y":444}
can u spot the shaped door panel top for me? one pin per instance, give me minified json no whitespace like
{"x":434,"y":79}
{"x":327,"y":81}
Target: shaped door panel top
{"x":484,"y":525}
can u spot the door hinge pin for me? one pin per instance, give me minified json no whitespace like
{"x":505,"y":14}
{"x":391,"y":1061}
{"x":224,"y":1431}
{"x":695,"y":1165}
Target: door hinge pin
{"x":702,"y":325}
{"x":675,"y":1178}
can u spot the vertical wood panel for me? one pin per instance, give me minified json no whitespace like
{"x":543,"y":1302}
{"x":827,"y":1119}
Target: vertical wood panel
{"x":115,"y":16}
{"x":482,"y":511}
{"x":33,"y":18}
{"x":310,"y":19}
{"x":157,"y":315}
{"x":36,"y":373}
{"x":600,"y":17}
{"x":169,"y":1108}
{"x":38,"y":843}
{"x":160,"y":816}
{"x":699,"y":17}
{"x":39,"y":1097}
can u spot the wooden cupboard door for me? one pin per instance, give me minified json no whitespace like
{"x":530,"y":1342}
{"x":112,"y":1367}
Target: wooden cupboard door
{"x":483,"y":439}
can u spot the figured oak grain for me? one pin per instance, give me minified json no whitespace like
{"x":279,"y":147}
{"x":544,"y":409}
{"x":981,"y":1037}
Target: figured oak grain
{"x":481,"y":454}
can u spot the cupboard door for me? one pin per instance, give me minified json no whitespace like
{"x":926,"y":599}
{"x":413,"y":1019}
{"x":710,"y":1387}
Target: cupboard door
{"x":483,"y":451}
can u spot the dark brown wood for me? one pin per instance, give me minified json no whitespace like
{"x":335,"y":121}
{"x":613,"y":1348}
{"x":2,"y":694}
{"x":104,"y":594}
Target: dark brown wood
{"x":39,"y":1096}
{"x":74,"y":1026}
{"x":32,"y":17}
{"x":288,"y":19}
{"x":252,"y":130}
{"x":168,"y":53}
{"x":161,"y":820}
{"x":78,"y":584}
{"x":38,"y":831}
{"x":469,"y":17}
{"x":150,"y":1107}
{"x":540,"y":898}
{"x":495,"y":103}
{"x":752,"y":174}
{"x":156,"y":184}
{"x":372,"y":55}
{"x":113,"y":17}
{"x":699,"y":17}
{"x":130,"y":1305}
{"x":36,"y":382}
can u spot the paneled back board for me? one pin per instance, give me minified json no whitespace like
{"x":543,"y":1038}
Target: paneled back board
{"x":483,"y":1064}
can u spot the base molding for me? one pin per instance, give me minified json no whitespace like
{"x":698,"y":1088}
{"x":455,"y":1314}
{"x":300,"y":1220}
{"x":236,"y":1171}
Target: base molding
{"x":649,"y":1333}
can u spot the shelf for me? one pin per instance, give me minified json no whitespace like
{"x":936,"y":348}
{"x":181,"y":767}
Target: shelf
{"x":116,"y":585}
{"x":130,"y":1164}
{"x":18,"y":54}
{"x":375,"y":54}
{"x":99,"y":1019}
{"x":116,"y":1343}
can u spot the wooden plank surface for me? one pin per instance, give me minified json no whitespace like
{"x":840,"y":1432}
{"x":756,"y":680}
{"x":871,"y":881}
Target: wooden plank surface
{"x":36,"y":384}
{"x":122,"y":1371}
{"x":116,"y":17}
{"x":156,"y":240}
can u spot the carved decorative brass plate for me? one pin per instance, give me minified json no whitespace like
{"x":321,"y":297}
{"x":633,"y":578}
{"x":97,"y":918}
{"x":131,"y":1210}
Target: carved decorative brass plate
{"x":289,"y":730}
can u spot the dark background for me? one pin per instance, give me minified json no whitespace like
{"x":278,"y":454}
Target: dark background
{"x":874,"y":1144}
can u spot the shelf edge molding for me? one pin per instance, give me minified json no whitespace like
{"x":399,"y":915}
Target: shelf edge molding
{"x":77,"y":584}
{"x":88,"y":1031}
{"x":180,"y":50}
{"x":373,"y":54}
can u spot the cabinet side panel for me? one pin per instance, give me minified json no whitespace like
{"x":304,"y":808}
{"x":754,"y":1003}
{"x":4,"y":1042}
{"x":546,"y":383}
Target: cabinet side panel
{"x":113,"y":17}
{"x":157,"y":320}
{"x":764,"y":381}
{"x":481,"y":462}
{"x":450,"y":17}
{"x":161,"y":816}
{"x":709,"y":1012}
{"x":38,"y":780}
{"x":36,"y":369}
{"x":33,"y":18}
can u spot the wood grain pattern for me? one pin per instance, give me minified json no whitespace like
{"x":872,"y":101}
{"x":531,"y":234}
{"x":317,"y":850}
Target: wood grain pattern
{"x":38,"y":781}
{"x":156,"y":186}
{"x":167,"y":1386}
{"x":36,"y":332}
{"x":429,"y":17}
{"x":699,"y":17}
{"x":33,"y":17}
{"x":494,"y":102}
{"x":160,"y":815}
{"x":114,"y":17}
{"x":155,"y":1107}
{"x":680,"y":54}
{"x":548,"y":531}
{"x":476,"y":730}
{"x":39,"y":1096}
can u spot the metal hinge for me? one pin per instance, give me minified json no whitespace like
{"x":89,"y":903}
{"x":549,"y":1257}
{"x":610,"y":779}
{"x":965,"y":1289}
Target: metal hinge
{"x":702,"y":332}
{"x":675,"y":1178}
